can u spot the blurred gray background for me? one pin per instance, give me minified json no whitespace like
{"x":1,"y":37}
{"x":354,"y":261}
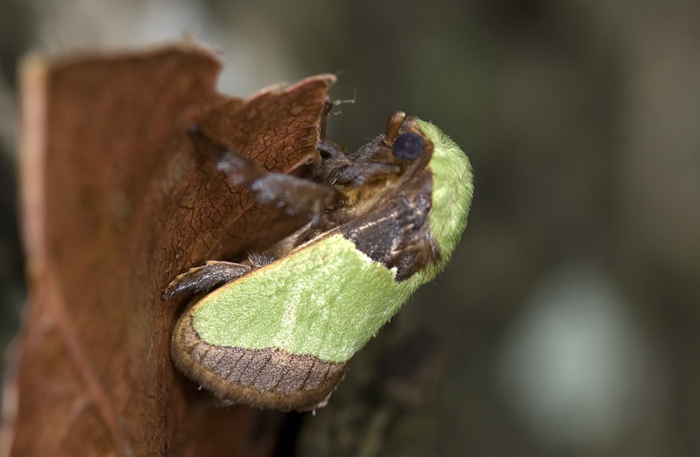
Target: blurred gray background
{"x":570,"y":315}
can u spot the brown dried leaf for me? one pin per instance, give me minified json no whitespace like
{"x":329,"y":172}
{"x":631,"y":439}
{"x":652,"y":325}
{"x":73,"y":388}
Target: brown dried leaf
{"x":116,"y":201}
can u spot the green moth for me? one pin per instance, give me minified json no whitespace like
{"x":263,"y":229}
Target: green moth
{"x":278,"y":330}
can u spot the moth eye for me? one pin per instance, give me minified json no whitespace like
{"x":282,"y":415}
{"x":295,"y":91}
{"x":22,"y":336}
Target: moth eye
{"x":408,"y":146}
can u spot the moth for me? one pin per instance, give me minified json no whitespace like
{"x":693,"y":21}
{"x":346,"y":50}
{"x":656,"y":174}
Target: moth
{"x":277,"y":331}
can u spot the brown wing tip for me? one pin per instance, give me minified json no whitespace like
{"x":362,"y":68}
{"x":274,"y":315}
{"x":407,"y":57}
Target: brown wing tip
{"x":269,"y":378}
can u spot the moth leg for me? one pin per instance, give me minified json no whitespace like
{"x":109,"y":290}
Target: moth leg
{"x":338,"y":168}
{"x":259,"y":260}
{"x":330,"y":150}
{"x":295,"y":195}
{"x":361,"y":172}
{"x":286,"y":245}
{"x":204,"y":278}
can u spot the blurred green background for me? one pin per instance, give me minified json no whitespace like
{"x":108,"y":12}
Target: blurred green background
{"x":568,"y":323}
